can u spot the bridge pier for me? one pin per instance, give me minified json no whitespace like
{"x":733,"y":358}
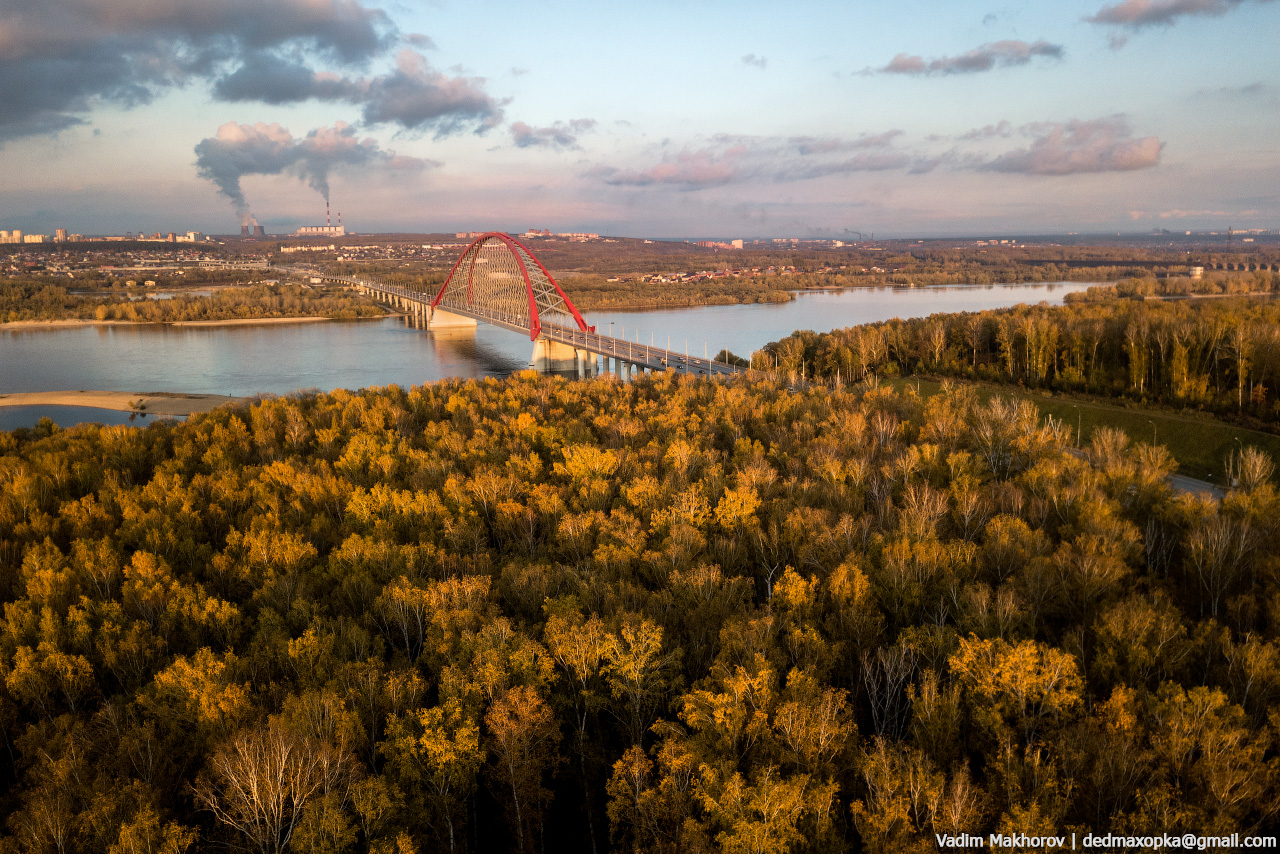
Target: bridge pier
{"x":439,"y":318}
{"x":553,"y":355}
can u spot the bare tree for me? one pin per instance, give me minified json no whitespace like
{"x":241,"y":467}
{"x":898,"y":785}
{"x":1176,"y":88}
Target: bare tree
{"x":1217,"y":550}
{"x":885,"y":676}
{"x":1249,"y":468}
{"x":260,"y":781}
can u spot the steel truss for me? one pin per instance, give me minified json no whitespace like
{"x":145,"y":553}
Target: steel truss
{"x":499,"y":280}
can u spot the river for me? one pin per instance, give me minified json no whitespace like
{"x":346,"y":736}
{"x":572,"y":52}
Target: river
{"x":249,"y":359}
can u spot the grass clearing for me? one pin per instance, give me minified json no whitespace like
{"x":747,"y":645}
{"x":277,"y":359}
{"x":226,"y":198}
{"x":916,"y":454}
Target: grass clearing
{"x":1201,"y":445}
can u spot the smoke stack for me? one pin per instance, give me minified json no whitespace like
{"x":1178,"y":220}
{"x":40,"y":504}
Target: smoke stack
{"x":244,"y":230}
{"x":326,"y":214}
{"x":339,"y":219}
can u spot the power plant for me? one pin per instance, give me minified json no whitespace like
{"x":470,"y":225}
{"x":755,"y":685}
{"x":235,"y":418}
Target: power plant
{"x":326,"y":230}
{"x":259,"y":231}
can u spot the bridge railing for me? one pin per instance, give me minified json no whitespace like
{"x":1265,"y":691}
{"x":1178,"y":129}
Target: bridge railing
{"x":657,"y":358}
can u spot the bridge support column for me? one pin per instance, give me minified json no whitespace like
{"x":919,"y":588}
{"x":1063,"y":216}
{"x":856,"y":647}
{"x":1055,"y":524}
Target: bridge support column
{"x":438,"y":318}
{"x":553,"y":355}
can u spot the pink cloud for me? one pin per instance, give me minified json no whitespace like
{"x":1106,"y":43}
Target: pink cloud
{"x":984,"y":58}
{"x":1146,"y":13}
{"x":1078,"y":147}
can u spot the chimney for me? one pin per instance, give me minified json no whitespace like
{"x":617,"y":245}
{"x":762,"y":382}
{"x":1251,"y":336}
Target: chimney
{"x":326,"y":214}
{"x":244,"y":231}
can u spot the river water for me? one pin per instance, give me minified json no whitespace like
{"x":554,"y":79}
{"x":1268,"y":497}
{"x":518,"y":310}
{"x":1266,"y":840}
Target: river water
{"x":280,"y":358}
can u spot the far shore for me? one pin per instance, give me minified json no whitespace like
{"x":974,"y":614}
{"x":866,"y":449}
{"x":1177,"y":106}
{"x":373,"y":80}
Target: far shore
{"x":246,"y":321}
{"x":150,"y":402}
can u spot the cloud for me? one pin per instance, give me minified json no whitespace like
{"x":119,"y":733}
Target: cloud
{"x":689,"y":169}
{"x":1137,"y":14}
{"x":1054,"y":148}
{"x":1078,"y":147}
{"x":59,"y":59}
{"x":830,"y":144}
{"x":1181,"y":214}
{"x":417,"y":96}
{"x":984,"y":58}
{"x":414,"y":95}
{"x":274,"y":80}
{"x":755,"y":61}
{"x":1250,"y":90}
{"x":560,"y":135}
{"x":238,"y":150}
{"x":739,"y":158}
{"x":865,"y":162}
{"x":1001,"y":129}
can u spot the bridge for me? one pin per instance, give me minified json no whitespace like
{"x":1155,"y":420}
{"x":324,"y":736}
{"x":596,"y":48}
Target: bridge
{"x":498,"y":281}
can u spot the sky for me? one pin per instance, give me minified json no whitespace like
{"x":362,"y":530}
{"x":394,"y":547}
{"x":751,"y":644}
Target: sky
{"x":921,"y":118}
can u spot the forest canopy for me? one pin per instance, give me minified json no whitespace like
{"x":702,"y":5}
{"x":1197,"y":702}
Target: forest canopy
{"x":36,"y":298}
{"x":1217,"y":355}
{"x":670,"y":615}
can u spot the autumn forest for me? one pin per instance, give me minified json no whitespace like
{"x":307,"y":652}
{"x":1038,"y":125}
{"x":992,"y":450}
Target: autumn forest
{"x":671,"y":615}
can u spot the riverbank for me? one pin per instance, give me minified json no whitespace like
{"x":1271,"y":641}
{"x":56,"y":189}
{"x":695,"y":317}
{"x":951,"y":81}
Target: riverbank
{"x":283,"y":358}
{"x":242,"y":321}
{"x":151,"y":402}
{"x":36,"y":302}
{"x":253,"y":321}
{"x":63,"y":323}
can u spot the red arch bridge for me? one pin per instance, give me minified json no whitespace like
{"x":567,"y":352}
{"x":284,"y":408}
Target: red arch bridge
{"x":499,"y":281}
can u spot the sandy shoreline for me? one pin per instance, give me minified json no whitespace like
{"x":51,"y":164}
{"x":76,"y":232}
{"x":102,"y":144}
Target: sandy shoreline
{"x":248,"y":321}
{"x":59,"y":324}
{"x":152,"y":403}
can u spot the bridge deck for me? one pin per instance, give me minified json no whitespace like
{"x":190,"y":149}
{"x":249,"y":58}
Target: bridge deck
{"x":654,"y":358}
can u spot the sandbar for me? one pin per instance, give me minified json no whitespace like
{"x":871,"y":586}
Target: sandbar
{"x":64,"y":322}
{"x":247,"y":321}
{"x":150,"y":402}
{"x":234,"y":321}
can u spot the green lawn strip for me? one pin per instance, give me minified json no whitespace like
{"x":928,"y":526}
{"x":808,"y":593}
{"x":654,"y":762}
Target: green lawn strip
{"x":1200,"y":445}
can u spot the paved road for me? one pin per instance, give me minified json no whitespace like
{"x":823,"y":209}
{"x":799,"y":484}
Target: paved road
{"x":1182,"y":483}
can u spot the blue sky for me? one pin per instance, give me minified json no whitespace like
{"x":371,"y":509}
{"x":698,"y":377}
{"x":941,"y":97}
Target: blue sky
{"x":922,"y":118}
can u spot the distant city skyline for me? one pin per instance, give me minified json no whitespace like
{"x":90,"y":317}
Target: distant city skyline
{"x":915,"y":118}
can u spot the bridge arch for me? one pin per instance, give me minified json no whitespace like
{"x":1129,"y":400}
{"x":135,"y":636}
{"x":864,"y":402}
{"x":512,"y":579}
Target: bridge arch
{"x":499,"y":279}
